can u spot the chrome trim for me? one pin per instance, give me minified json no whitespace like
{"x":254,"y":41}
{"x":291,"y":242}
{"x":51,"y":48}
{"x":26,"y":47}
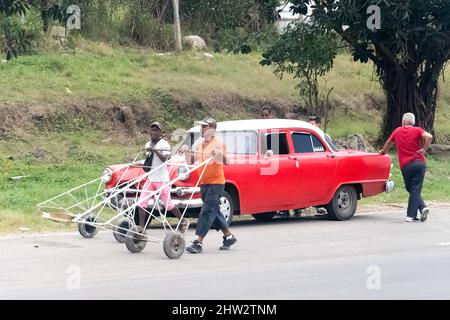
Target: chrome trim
{"x":194,"y":203}
{"x":181,"y":191}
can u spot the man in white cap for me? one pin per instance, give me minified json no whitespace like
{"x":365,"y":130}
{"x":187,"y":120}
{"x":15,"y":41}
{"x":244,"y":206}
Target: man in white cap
{"x":158,"y":152}
{"x":212,"y":185}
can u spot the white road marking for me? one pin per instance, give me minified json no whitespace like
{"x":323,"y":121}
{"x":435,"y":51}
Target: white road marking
{"x":443,"y":244}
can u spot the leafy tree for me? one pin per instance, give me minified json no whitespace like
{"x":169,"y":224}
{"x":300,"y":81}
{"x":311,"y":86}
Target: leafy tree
{"x":11,"y":7}
{"x":409,"y":50}
{"x":306,"y":51}
{"x":218,"y":19}
{"x":12,"y":38}
{"x":50,"y":10}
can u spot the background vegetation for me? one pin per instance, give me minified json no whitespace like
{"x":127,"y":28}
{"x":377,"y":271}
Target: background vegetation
{"x":70,"y":108}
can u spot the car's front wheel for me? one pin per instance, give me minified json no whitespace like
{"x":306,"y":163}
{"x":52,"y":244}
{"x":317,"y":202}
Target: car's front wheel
{"x":343,"y":205}
{"x":226,"y":205}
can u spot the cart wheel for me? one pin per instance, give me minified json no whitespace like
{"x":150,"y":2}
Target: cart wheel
{"x":135,"y":242}
{"x":120,"y":230}
{"x":87,"y":231}
{"x":174,"y":245}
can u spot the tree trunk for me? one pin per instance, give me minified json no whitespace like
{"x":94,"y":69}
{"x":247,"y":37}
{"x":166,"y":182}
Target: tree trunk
{"x":176,"y":22}
{"x":45,"y":20}
{"x":408,"y":93}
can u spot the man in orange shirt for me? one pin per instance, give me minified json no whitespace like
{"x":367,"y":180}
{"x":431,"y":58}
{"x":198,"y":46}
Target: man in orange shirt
{"x":212,"y":185}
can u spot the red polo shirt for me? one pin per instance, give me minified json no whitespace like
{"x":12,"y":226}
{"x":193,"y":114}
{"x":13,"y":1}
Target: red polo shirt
{"x":408,"y":141}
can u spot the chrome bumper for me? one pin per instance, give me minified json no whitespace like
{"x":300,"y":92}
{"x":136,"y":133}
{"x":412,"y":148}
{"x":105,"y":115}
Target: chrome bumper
{"x":179,"y":203}
{"x":179,"y":191}
{"x":390,"y":186}
{"x":183,"y":203}
{"x":194,"y":203}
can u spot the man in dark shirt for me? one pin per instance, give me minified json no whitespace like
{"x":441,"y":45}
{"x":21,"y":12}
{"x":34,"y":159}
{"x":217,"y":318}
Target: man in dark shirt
{"x":412,"y":144}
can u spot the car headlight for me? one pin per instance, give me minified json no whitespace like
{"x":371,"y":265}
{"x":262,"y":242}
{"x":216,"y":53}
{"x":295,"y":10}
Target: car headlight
{"x":106,"y":175}
{"x":183,"y":173}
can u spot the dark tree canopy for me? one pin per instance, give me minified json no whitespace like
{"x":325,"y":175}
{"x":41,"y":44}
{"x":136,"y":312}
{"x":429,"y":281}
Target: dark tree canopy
{"x":10,"y":7}
{"x":409,"y":50}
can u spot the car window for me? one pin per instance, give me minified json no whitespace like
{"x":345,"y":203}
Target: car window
{"x":190,"y":138}
{"x":306,"y":142}
{"x":317,"y":144}
{"x":277,"y":142}
{"x":330,"y":143}
{"x":237,"y":142}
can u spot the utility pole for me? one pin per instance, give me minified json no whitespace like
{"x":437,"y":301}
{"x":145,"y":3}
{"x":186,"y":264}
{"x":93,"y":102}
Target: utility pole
{"x":176,"y":22}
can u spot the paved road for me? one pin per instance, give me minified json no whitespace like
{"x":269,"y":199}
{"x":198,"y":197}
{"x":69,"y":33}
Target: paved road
{"x":296,"y":258}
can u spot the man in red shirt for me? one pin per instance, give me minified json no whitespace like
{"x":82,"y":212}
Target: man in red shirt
{"x":412,"y":144}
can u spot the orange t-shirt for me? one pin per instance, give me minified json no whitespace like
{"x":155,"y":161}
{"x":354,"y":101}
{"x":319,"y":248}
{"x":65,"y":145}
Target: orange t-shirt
{"x":213,"y":173}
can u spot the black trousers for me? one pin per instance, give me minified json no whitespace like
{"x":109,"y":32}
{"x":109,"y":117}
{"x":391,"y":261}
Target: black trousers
{"x":210,"y":216}
{"x":413,"y":175}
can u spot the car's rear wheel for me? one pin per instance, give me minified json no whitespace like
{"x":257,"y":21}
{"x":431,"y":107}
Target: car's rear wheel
{"x":226,"y":205}
{"x":343,"y":205}
{"x":266,"y":216}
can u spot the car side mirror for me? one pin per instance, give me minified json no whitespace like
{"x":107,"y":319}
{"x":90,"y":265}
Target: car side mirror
{"x":268,"y":155}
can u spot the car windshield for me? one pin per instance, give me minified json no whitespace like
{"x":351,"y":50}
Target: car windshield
{"x":330,"y":143}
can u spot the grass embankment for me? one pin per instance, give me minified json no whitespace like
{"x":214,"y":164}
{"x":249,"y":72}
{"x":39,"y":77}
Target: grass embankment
{"x":66,"y":152}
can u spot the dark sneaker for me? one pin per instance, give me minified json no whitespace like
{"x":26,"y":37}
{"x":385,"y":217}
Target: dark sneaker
{"x":196,"y":247}
{"x":184,"y":225}
{"x":425,"y":212}
{"x":297,"y":212}
{"x":227,"y":243}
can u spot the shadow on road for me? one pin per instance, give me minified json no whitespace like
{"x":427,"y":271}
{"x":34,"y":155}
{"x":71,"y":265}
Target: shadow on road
{"x":249,"y":221}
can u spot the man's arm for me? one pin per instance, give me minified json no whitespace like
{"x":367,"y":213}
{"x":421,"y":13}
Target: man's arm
{"x":189,"y":156}
{"x":387,"y":145}
{"x":163,"y":154}
{"x":427,"y":138}
{"x":220,"y":154}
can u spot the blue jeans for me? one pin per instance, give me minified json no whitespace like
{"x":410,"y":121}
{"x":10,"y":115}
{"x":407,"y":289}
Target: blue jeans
{"x":413,"y":175}
{"x":210,"y":215}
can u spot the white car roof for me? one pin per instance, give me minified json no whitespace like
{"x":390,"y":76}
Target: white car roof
{"x":262,"y":124}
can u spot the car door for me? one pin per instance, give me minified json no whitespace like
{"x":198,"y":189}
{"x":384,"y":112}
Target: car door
{"x":241,"y":169}
{"x":275,"y":185}
{"x":315,"y":168}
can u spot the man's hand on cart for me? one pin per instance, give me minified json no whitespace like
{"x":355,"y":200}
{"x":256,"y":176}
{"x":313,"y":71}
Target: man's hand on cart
{"x":184,"y":149}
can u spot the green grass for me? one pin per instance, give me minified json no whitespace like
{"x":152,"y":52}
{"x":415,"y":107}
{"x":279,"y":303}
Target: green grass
{"x":124,"y":75}
{"x":98,"y":72}
{"x":71,"y":160}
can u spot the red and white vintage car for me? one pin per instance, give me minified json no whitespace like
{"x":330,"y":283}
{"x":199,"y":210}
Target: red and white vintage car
{"x":274,"y":165}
